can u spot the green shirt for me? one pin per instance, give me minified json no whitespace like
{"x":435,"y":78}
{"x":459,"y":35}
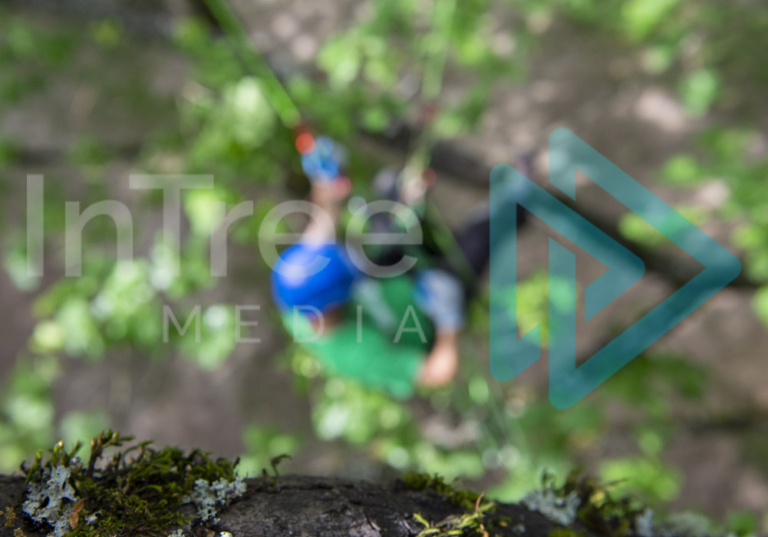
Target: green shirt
{"x":382,"y":341}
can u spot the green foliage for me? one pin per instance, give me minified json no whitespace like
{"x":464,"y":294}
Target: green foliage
{"x":742,"y":524}
{"x":223,"y":123}
{"x":230,"y":128}
{"x":643,"y":475}
{"x":350,"y":411}
{"x":716,"y":65}
{"x":111,"y":305}
{"x":404,"y":42}
{"x":26,"y":409}
{"x":107,"y":33}
{"x":651,"y":385}
{"x":642,"y":17}
{"x":682,"y":170}
{"x":28,"y":56}
{"x":78,"y":425}
{"x":699,"y":90}
{"x":635,"y":228}
{"x":760,"y":302}
{"x":15,"y":263}
{"x":217,"y":337}
{"x":706,"y":40}
{"x":262,"y":446}
{"x":534,"y":296}
{"x":726,"y":157}
{"x":389,"y":430}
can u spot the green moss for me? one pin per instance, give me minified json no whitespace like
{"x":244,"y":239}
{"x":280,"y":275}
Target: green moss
{"x":472,"y":522}
{"x":566,"y":532}
{"x":603,"y":513}
{"x":598,"y":510}
{"x":466,"y":525}
{"x":136,"y":491}
{"x":9,"y":516}
{"x":417,"y":482}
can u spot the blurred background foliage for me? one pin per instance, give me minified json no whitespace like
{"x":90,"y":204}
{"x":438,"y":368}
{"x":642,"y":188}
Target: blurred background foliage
{"x":368,"y":76}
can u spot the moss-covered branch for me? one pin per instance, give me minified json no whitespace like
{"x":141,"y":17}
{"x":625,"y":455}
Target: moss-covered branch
{"x":139,"y":490}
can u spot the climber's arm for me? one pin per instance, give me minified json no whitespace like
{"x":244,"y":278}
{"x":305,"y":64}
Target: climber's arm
{"x":442,"y":363}
{"x":441,"y":296}
{"x":327,"y":198}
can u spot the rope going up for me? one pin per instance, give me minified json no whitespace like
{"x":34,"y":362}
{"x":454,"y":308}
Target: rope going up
{"x":254,"y":63}
{"x":417,"y":169}
{"x":322,"y":158}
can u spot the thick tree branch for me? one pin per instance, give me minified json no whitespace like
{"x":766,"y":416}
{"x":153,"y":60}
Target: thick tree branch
{"x":326,"y":507}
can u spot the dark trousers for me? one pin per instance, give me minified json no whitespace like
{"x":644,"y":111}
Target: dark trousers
{"x":470,"y":245}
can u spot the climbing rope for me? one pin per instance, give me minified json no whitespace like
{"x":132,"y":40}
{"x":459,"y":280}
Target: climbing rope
{"x":322,"y":158}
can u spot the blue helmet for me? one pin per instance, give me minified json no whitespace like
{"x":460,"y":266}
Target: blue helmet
{"x":313,"y":275}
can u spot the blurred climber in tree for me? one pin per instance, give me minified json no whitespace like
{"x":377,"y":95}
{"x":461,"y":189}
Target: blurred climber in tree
{"x":359,"y":313}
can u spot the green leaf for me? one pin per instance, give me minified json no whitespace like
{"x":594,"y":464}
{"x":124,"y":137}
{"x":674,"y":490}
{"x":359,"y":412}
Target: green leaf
{"x":107,"y":33}
{"x":650,"y":442}
{"x":199,"y":207}
{"x":658,"y":59}
{"x":645,"y":475}
{"x":21,"y":39}
{"x":641,"y":17}
{"x":82,"y":334}
{"x":742,"y":524}
{"x":381,"y":73}
{"x":48,"y":337}
{"x":760,"y":304}
{"x":450,"y":124}
{"x":83,"y":426}
{"x":340,"y":58}
{"x":726,"y":145}
{"x":247,"y":114}
{"x":699,"y":91}
{"x":682,"y":170}
{"x":479,"y":391}
{"x":376,"y":119}
{"x":262,"y":444}
{"x":218,"y":336}
{"x":15,"y":264}
{"x":750,"y":236}
{"x":633,"y":227}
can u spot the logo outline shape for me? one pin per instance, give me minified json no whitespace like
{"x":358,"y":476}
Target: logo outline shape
{"x":568,"y":383}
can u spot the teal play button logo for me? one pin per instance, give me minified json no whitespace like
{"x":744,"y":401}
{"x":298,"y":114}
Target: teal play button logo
{"x":510,"y":189}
